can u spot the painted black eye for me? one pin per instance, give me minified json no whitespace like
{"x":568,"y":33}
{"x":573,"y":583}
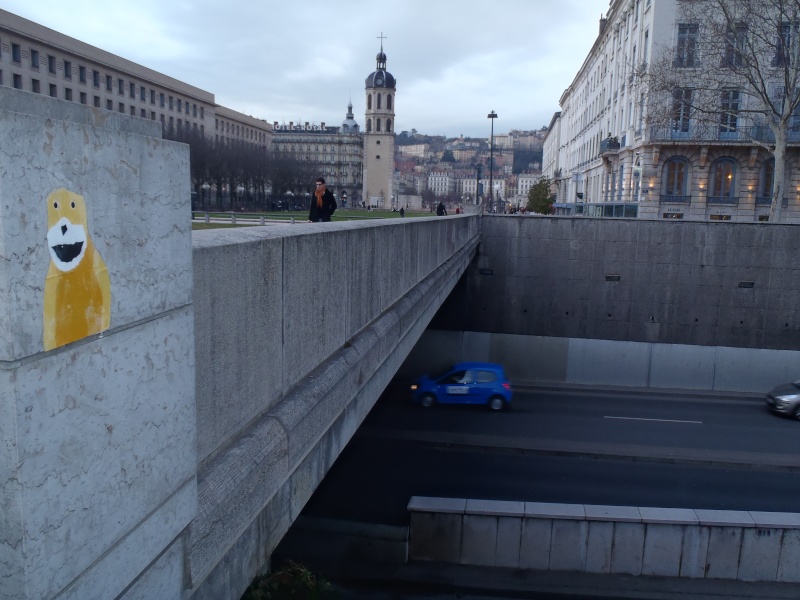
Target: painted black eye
{"x":55,"y":204}
{"x":72,"y":204}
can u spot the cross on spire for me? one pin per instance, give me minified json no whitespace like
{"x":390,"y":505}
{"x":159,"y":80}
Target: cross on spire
{"x":382,"y":37}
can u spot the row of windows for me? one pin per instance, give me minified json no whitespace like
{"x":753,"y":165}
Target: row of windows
{"x":239,"y":130}
{"x":722,"y":179}
{"x":730,"y":105}
{"x":52,"y":90}
{"x":99,"y":80}
{"x":378,"y":125}
{"x":378,"y":99}
{"x":736,"y":44}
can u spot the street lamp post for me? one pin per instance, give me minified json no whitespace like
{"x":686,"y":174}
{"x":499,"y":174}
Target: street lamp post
{"x":206,"y":192}
{"x":239,"y":194}
{"x":492,"y":115}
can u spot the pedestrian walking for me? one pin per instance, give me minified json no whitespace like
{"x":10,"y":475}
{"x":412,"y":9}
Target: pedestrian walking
{"x":323,"y":204}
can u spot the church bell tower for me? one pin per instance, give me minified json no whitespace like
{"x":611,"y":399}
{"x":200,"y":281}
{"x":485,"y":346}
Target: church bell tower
{"x":379,"y":135}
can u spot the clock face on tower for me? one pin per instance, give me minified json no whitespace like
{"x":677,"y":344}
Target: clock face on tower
{"x":379,"y":80}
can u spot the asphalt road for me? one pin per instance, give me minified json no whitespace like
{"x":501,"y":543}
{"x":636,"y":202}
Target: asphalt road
{"x":634,"y":448}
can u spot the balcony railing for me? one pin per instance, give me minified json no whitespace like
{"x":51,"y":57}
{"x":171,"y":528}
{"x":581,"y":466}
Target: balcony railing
{"x":609,"y":145}
{"x":709,"y":132}
{"x":675,"y":199}
{"x":722,"y":200}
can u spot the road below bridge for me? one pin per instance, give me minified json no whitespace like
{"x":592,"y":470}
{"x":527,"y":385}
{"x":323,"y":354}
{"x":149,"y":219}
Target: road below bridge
{"x":568,"y":445}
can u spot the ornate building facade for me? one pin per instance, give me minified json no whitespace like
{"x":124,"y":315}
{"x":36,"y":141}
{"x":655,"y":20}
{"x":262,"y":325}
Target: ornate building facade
{"x":621,"y":148}
{"x":380,"y":88}
{"x":335,"y":152}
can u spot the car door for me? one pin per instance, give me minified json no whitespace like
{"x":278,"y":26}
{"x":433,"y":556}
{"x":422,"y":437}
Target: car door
{"x":454,"y":387}
{"x":484,"y":387}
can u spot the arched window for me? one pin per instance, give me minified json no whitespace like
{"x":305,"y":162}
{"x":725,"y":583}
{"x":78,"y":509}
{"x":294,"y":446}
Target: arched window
{"x":722,"y":181}
{"x":388,"y":125}
{"x":389,"y":101}
{"x":369,"y":125}
{"x":379,"y":101}
{"x":766,"y":180}
{"x":674,"y":179}
{"x":377,"y":124}
{"x":369,"y":101}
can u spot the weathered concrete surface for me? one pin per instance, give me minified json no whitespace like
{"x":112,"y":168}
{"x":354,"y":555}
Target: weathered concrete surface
{"x":628,"y":302}
{"x":662,"y":542}
{"x":98,"y":455}
{"x":299,"y":328}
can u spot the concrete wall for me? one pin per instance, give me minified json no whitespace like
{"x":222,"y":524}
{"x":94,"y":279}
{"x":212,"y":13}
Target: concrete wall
{"x":678,"y":282}
{"x":298,"y":330}
{"x":664,"y":542}
{"x":98,"y":453}
{"x":672,"y":314}
{"x":531,"y":359}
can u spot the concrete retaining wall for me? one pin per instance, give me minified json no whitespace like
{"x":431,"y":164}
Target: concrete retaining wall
{"x":535,"y":359}
{"x":693,"y":543}
{"x":97,"y":436}
{"x":713,"y":284}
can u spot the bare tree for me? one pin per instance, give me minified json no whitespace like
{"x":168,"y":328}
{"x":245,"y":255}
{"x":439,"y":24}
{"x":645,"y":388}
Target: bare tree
{"x":733,"y":74}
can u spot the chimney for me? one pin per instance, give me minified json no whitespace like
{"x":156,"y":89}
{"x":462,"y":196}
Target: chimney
{"x":322,"y":125}
{"x":306,"y":124}
{"x":275,"y":125}
{"x":603,"y":22}
{"x":291,"y":124}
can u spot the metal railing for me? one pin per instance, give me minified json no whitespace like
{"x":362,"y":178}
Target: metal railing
{"x":609,"y":145}
{"x":674,"y":199}
{"x":708,"y":132}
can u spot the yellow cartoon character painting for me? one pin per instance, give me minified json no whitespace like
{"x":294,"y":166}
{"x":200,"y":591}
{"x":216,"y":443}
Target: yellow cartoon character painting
{"x":77,"y":290}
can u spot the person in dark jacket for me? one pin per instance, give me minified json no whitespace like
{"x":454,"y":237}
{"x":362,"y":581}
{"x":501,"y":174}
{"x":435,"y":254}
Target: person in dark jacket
{"x":440,"y":210}
{"x":323,"y":204}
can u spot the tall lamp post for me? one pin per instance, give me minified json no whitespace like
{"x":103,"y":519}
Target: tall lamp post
{"x":492,"y":115}
{"x":240,"y":194}
{"x":206,"y":193}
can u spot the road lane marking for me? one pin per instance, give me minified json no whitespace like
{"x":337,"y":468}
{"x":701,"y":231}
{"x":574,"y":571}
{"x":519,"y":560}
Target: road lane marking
{"x":658,"y":420}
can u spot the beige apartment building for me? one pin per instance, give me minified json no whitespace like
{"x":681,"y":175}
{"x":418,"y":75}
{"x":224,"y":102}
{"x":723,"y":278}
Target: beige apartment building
{"x":336,"y":152}
{"x":612,"y":153}
{"x":36,"y":59}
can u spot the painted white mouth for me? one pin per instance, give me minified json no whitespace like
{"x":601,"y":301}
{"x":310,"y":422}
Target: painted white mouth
{"x":67,"y":244}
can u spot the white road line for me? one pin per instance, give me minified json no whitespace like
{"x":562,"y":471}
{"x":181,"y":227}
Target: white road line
{"x":658,"y":420}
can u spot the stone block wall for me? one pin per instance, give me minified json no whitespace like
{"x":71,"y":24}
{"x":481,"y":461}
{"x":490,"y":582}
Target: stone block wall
{"x":662,"y":542}
{"x":98,"y":453}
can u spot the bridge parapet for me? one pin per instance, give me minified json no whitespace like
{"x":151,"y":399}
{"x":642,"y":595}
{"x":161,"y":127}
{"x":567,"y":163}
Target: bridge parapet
{"x":347,"y":301}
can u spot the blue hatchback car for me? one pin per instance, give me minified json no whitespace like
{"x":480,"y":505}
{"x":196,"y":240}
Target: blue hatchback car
{"x":465,"y":383}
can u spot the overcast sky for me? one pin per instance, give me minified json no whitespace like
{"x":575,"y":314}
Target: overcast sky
{"x":454,"y":60}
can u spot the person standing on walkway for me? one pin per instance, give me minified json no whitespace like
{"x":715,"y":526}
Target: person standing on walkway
{"x":440,"y":210}
{"x":323,"y":204}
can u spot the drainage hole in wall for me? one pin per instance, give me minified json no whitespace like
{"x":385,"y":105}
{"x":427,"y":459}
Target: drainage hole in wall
{"x":609,"y":315}
{"x":741,"y":322}
{"x":696,"y":320}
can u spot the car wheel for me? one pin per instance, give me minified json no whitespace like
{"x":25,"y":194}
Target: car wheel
{"x":496,"y":403}
{"x":427,"y":400}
